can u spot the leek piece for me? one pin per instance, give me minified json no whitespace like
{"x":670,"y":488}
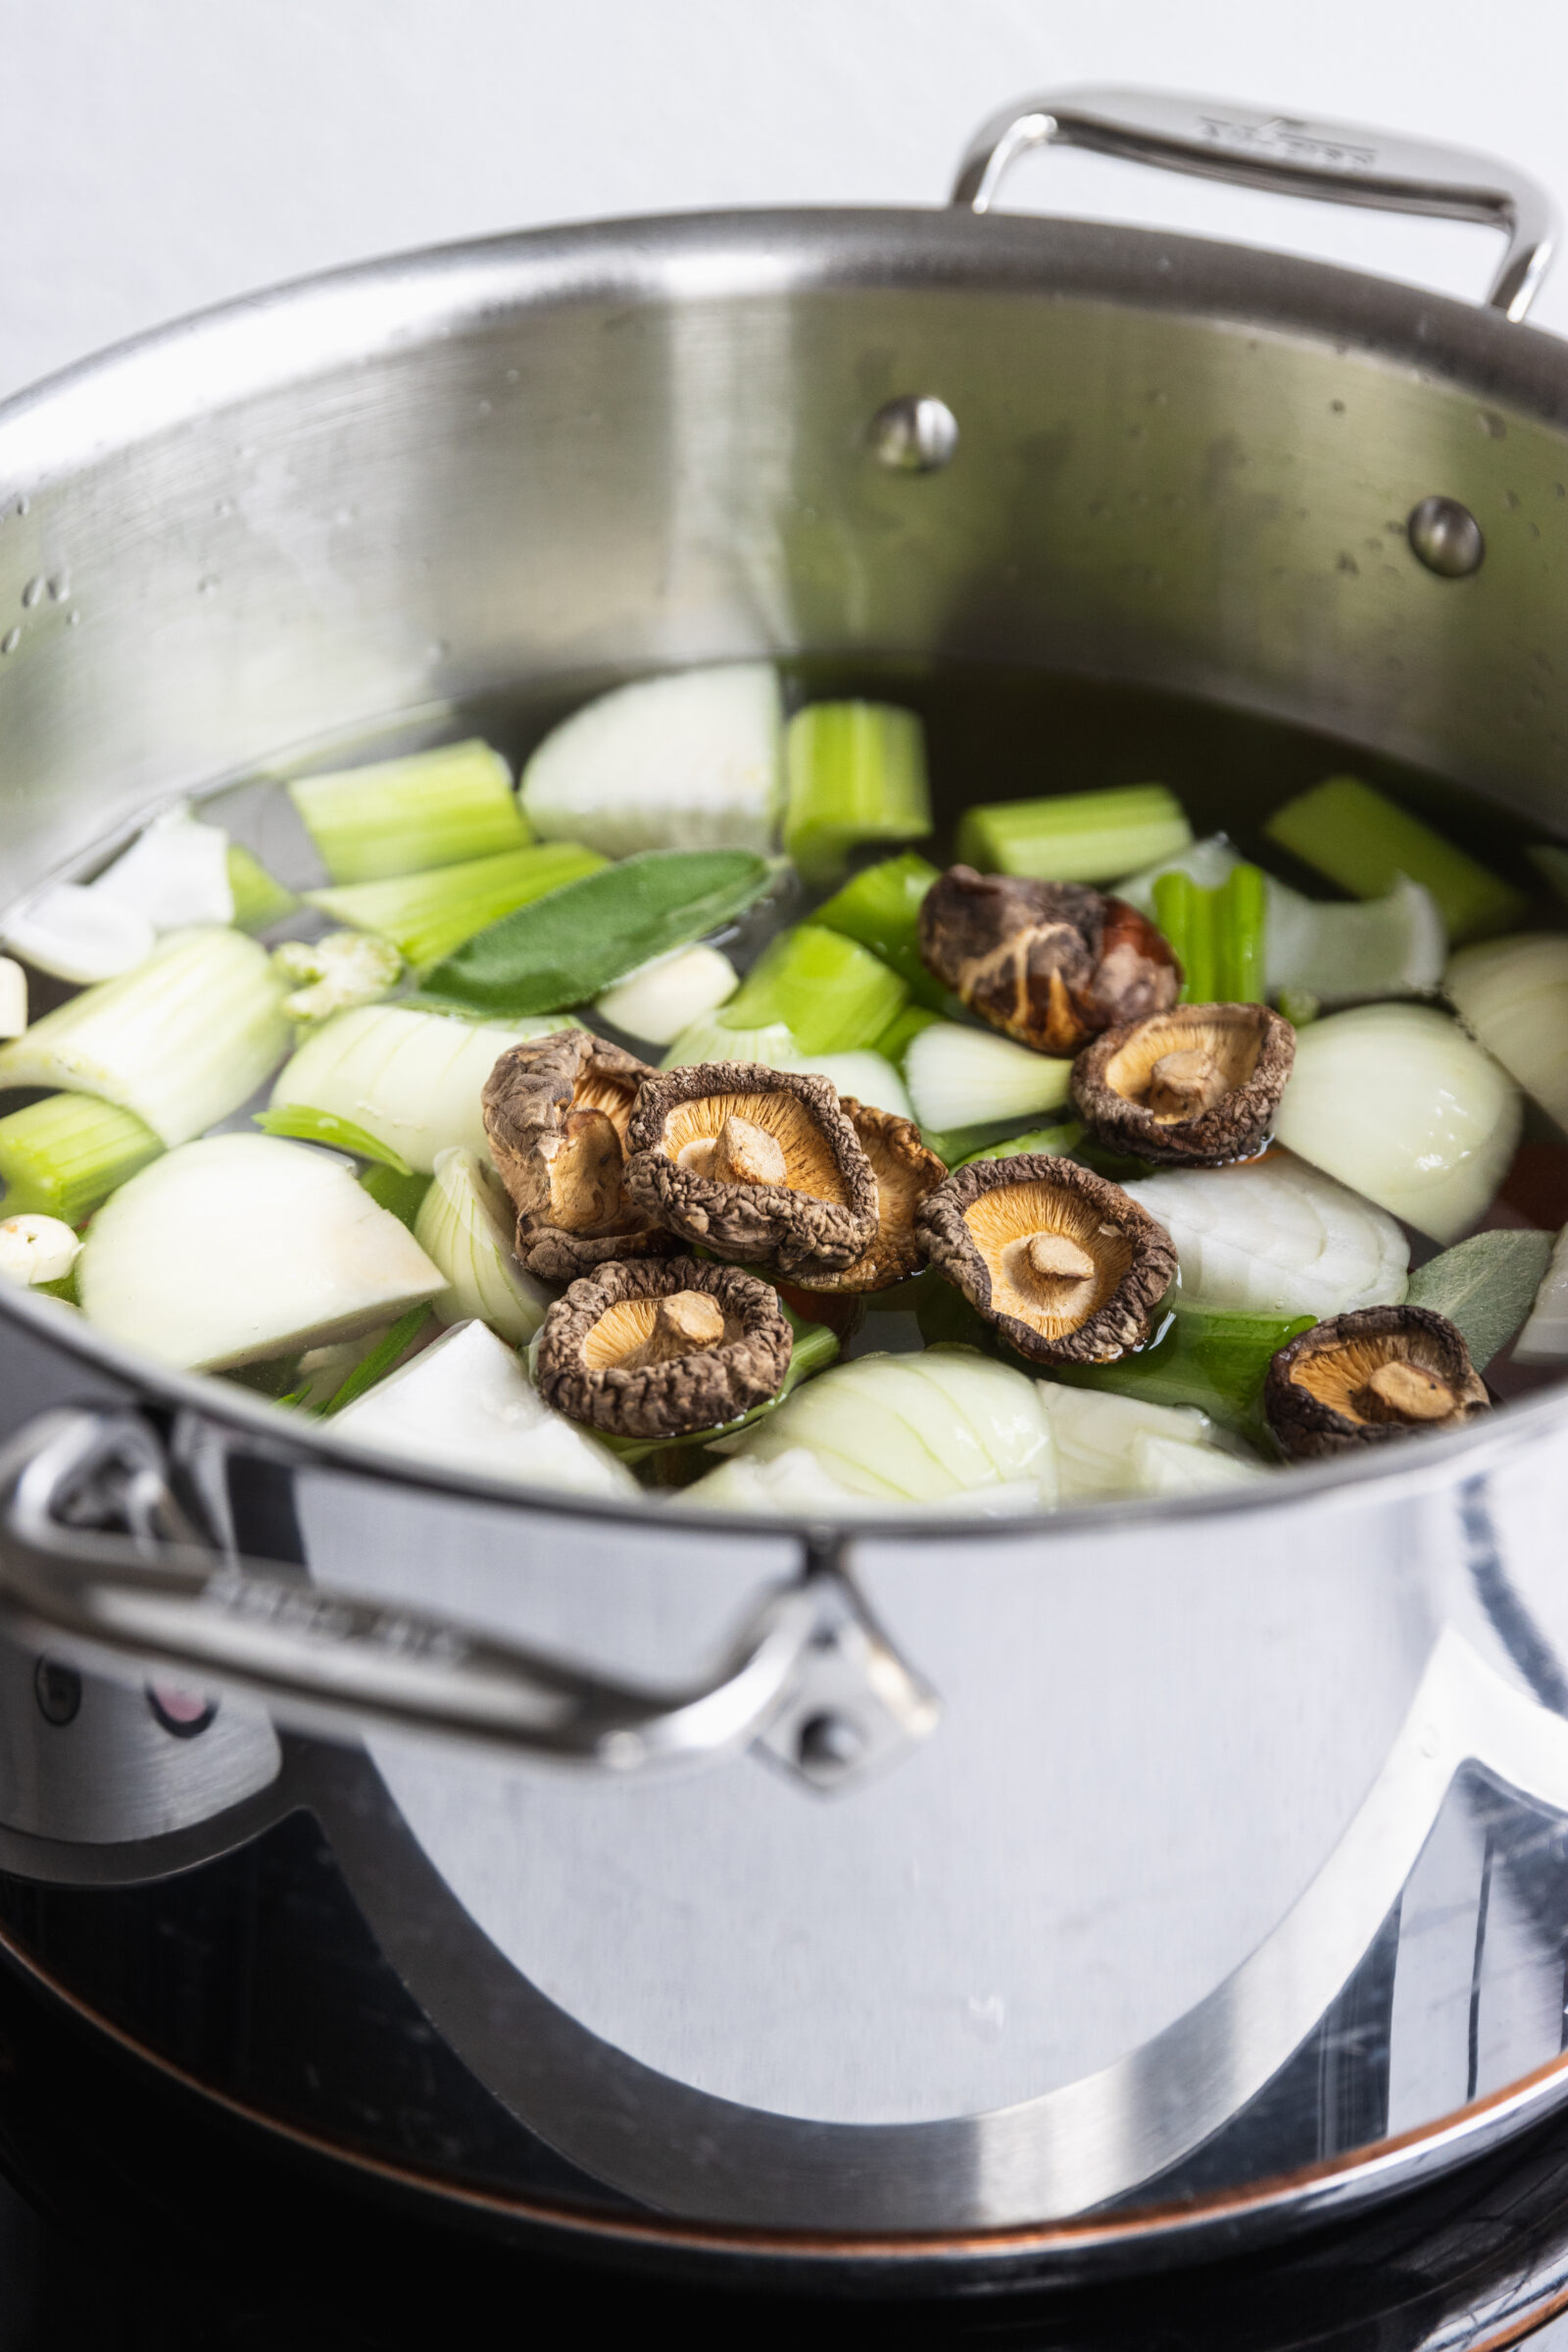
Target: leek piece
{"x":330,"y":974}
{"x":13,"y":997}
{"x":1398,"y":1102}
{"x":464,"y":1227}
{"x":174,"y":873}
{"x":881,"y":909}
{"x":867,"y":1077}
{"x":1216,"y":1359}
{"x":901,"y":1031}
{"x":1364,"y":841}
{"x":1486,"y":1285}
{"x":238,"y":1248}
{"x":38,"y":1251}
{"x":405,"y":816}
{"x":1111,"y":1447}
{"x":1053,"y":1143}
{"x":1512,"y":994}
{"x":378,"y":1360}
{"x":259,"y":899}
{"x":403,"y":1196}
{"x":959,"y":1077}
{"x":182,"y":1041}
{"x":410,"y":1079}
{"x":1076,"y":836}
{"x":854,"y":771}
{"x":65,"y":1155}
{"x":687,"y":761}
{"x":830,"y":993}
{"x":76,"y":934}
{"x":1275,"y":1236}
{"x":712,"y":1039}
{"x":1544,"y":1336}
{"x":659,"y":1000}
{"x":798,"y":1483}
{"x":303,"y":1125}
{"x":427,"y":916}
{"x":1217,"y":935}
{"x":813,"y":1349}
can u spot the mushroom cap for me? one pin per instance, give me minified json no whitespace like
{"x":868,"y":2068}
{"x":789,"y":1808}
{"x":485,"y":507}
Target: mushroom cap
{"x":1363,"y":1378}
{"x":669,"y":1387}
{"x":555,"y":1110}
{"x":1062,"y":1262}
{"x":811,"y":1204}
{"x":1213,"y":1104}
{"x":1049,"y":963}
{"x":905,"y":1173}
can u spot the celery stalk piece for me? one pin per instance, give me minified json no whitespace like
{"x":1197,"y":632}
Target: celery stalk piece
{"x":427,"y":915}
{"x":853,"y":772}
{"x":1241,"y":933}
{"x":1076,"y":836}
{"x":881,"y":909}
{"x":830,"y":993}
{"x":712,"y":1039}
{"x":1364,"y":841}
{"x":404,"y":816}
{"x":1219,"y":935}
{"x":259,"y":899}
{"x":65,"y":1155}
{"x":180,"y":1041}
{"x":959,"y":1078}
{"x":689,"y":761}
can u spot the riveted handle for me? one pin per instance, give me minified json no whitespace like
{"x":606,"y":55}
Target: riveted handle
{"x":1286,"y":154}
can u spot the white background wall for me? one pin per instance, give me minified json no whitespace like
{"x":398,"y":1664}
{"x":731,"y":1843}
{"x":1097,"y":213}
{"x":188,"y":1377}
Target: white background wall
{"x":155,"y":155}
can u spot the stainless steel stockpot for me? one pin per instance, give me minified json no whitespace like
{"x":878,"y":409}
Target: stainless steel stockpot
{"x":904,"y":1904}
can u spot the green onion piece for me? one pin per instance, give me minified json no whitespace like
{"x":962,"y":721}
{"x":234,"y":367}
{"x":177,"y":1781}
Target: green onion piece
{"x":901,"y":1031}
{"x":403,"y":1196}
{"x":881,"y":909}
{"x":855,"y":771}
{"x":259,"y":899}
{"x":61,"y":1156}
{"x":1364,"y":841}
{"x":381,"y":1360}
{"x":402,"y":816}
{"x":427,"y":915}
{"x":562,"y":952}
{"x":1053,"y":1143}
{"x":830,"y":993}
{"x":1216,"y":1361}
{"x":307,"y":1126}
{"x":814,"y":1349}
{"x":1076,"y":836}
{"x":1298,"y":1006}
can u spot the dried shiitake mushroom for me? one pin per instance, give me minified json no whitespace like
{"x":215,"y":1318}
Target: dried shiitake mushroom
{"x":656,"y":1348}
{"x":753,"y":1163}
{"x":905,"y":1173}
{"x":1192,"y":1087}
{"x":1066,"y":1266}
{"x":1049,"y":963}
{"x":555,"y":1110}
{"x":1377,"y":1374}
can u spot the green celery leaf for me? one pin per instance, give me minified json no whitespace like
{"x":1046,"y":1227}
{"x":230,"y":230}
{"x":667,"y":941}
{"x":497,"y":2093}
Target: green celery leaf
{"x":1484,"y":1286}
{"x":304,"y":1125}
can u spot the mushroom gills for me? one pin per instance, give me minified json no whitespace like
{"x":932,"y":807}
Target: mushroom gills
{"x":656,"y":1330}
{"x":585,"y":1163}
{"x":1392,"y":1377}
{"x":1179,"y":1068}
{"x":1053,"y":1260}
{"x":754,"y":1138}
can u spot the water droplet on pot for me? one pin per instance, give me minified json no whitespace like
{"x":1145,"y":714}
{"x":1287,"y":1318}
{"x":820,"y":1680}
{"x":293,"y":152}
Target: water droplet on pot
{"x":1490,"y":424}
{"x":9,"y":641}
{"x":33,"y":594}
{"x":73,"y":618}
{"x":59,"y":588}
{"x":24,"y":505}
{"x":207,"y":585}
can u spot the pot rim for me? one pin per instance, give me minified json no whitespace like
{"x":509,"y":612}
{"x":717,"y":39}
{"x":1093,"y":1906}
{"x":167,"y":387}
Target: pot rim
{"x":309,"y":326}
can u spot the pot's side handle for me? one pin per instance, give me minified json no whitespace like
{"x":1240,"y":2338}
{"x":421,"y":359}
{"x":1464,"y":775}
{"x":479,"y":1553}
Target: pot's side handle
{"x":158,"y":1595}
{"x":1336,"y":161}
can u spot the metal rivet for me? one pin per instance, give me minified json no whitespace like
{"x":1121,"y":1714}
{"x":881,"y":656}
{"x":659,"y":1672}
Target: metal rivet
{"x":917,"y":434}
{"x":58,"y":1691}
{"x":1446,"y":537}
{"x":827,"y":1743}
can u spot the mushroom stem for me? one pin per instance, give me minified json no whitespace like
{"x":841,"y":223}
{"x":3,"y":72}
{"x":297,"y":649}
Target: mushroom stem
{"x":746,"y":1154}
{"x":1184,"y":1083}
{"x":585,"y":1172}
{"x":1056,"y":1262}
{"x":685,"y":1323}
{"x":1400,"y":1390}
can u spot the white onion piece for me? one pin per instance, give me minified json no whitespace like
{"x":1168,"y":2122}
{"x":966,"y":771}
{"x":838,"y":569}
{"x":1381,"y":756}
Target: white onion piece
{"x":410,"y":1079}
{"x":36,"y":1248}
{"x":1098,"y":1436}
{"x":76,"y":934}
{"x":688,"y":762}
{"x":1544,"y":1337}
{"x":1275,"y":1236}
{"x":175,"y":874}
{"x":869,"y":1077}
{"x":959,"y":1077}
{"x":708,"y":1040}
{"x":794,"y":1482}
{"x":1396,"y":1102}
{"x":466,"y":1403}
{"x":464,"y":1227}
{"x":241,"y":1248}
{"x":13,"y":997}
{"x":1161,"y":1466}
{"x":661,"y":998}
{"x":1512,"y":994}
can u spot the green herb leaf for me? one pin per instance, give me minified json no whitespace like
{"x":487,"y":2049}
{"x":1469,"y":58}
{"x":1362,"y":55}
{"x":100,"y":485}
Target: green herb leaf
{"x":381,"y":1360}
{"x":1484,"y":1286}
{"x":561,"y":950}
{"x":298,"y":1121}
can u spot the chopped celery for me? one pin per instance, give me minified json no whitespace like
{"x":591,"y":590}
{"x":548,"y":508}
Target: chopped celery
{"x":1364,"y":841}
{"x":901,"y":1031}
{"x":427,"y":915}
{"x":1076,"y":836}
{"x":259,"y":899}
{"x":854,"y":771}
{"x":830,"y":993}
{"x":1215,"y":1360}
{"x":881,"y":909}
{"x":304,"y":1125}
{"x":182,"y":1041}
{"x":381,"y":1360}
{"x":1055,"y":1143}
{"x":65,"y":1155}
{"x":402,"y":816}
{"x":1217,"y":935}
{"x":712,"y":1039}
{"x":403,"y":1196}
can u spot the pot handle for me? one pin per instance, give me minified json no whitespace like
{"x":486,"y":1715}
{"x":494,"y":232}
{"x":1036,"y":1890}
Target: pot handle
{"x":1336,"y":161}
{"x":162,"y":1597}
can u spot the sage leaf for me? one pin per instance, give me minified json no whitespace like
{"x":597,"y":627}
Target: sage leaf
{"x":564,"y":948}
{"x":1484,"y":1286}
